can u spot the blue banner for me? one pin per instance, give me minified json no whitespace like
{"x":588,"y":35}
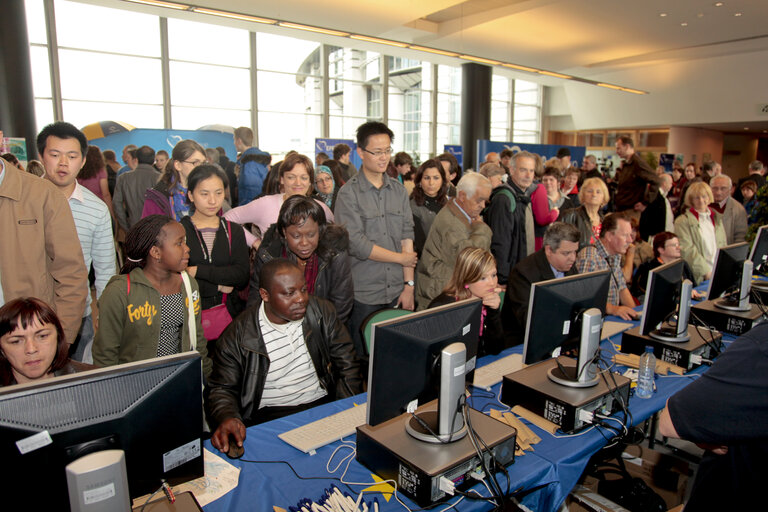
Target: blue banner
{"x":456,"y":151}
{"x":165,"y":139}
{"x":546,"y":151}
{"x":326,"y":146}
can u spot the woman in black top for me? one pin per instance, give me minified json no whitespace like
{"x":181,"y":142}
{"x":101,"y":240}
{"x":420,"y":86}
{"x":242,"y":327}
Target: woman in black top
{"x":218,"y":254}
{"x":430,"y":193}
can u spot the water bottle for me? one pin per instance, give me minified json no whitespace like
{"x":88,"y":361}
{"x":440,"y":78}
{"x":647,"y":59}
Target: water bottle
{"x":645,"y":374}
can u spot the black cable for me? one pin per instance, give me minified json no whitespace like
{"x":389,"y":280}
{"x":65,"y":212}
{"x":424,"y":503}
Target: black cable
{"x":711,"y":342}
{"x":306,"y":477}
{"x":474,"y":437}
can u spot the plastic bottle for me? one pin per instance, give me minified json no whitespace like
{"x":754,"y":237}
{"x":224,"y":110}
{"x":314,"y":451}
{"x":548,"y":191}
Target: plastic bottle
{"x":645,"y":374}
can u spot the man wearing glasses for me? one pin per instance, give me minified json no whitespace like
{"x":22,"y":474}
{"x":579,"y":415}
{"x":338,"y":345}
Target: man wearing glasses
{"x":375,"y":210}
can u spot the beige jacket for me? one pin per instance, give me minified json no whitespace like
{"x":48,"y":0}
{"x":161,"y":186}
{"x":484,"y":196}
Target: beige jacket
{"x":40,"y":254}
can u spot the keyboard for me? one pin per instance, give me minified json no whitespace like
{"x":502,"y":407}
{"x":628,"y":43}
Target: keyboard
{"x":611,"y":328}
{"x":312,"y":436}
{"x":491,"y":374}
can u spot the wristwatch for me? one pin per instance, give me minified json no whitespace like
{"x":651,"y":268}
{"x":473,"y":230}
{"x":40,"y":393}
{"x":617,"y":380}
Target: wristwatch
{"x":409,"y":283}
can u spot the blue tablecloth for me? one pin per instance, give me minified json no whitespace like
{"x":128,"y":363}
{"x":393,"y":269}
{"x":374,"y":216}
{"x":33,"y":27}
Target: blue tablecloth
{"x":555,"y":465}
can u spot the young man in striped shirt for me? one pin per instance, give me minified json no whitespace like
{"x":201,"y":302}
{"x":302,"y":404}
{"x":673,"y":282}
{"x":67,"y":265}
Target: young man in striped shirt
{"x":284,"y":355}
{"x":62,"y":148}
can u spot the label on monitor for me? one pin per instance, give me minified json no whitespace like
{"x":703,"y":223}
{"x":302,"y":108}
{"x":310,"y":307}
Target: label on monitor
{"x":465,"y":329}
{"x":566,"y":327}
{"x":32,"y":443}
{"x":470,"y":365}
{"x":181,"y":455}
{"x":98,"y":494}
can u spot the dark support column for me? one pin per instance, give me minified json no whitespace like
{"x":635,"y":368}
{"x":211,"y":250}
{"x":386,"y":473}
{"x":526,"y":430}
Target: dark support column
{"x":17,"y":101}
{"x":475,"y":109}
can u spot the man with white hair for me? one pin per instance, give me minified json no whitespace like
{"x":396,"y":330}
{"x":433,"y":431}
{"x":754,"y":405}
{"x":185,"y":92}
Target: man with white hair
{"x":458,"y":225}
{"x":734,"y":214}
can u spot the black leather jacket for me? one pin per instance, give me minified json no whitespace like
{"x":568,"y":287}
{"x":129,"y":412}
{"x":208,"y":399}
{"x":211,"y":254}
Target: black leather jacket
{"x":579,"y":218}
{"x":241,"y":362}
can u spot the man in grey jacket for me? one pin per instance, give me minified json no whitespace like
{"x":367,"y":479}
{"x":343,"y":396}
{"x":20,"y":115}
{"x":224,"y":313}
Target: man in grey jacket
{"x":131,"y":187}
{"x":734,"y":214}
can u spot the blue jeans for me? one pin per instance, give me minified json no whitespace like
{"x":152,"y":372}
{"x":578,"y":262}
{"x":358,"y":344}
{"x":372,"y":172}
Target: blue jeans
{"x":81,"y":348}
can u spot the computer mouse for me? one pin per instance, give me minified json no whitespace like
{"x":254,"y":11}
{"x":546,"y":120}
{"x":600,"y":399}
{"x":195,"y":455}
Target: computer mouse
{"x":234,"y":452}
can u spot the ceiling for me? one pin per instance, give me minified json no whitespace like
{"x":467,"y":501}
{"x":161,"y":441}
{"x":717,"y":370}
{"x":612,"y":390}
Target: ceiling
{"x":593,"y":39}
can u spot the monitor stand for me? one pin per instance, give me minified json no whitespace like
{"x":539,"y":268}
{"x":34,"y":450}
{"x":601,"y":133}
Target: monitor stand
{"x":741,"y":303}
{"x":445,"y":425}
{"x":583,"y":374}
{"x":679,"y":332}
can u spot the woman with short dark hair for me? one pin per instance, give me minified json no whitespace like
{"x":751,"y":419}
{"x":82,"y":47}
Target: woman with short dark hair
{"x":32,"y":343}
{"x":303,"y":235}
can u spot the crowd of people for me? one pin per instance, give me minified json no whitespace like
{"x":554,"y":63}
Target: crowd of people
{"x":270,"y":271}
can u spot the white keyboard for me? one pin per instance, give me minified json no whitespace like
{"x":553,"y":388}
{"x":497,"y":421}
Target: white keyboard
{"x":611,"y":328}
{"x":312,"y":436}
{"x":491,"y":374}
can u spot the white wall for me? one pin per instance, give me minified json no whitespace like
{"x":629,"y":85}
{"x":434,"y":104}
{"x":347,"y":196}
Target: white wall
{"x":717,"y":90}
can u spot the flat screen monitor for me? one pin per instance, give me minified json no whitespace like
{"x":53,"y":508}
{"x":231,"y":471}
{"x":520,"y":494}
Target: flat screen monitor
{"x":556,"y":318}
{"x":152,"y":410}
{"x":665,"y":298}
{"x":729,"y":286}
{"x":407,"y":354}
{"x":759,"y":253}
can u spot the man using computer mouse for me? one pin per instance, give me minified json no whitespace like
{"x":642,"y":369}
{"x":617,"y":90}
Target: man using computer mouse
{"x":283,"y":355}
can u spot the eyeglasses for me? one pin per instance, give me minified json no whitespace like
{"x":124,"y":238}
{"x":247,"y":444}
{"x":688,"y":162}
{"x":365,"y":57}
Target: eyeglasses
{"x":379,"y":154}
{"x":194,"y":163}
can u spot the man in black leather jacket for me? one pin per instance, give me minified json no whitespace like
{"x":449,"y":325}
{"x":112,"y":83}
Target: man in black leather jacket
{"x":242,"y":359}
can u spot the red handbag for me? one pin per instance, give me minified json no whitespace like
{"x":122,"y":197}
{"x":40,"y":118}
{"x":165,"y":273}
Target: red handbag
{"x":217,"y":318}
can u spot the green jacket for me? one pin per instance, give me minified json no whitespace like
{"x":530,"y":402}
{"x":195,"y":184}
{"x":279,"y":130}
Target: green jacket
{"x":129,"y":323}
{"x":692,"y":245}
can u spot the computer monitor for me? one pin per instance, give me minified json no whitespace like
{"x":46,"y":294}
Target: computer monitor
{"x":731,"y":278}
{"x":759,"y":253}
{"x":419,"y":357}
{"x":667,"y":294}
{"x":567,"y":312}
{"x":152,"y":410}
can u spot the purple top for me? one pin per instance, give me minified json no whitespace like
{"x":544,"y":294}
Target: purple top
{"x":94,"y":183}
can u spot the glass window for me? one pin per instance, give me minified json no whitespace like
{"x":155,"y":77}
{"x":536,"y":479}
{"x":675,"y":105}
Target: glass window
{"x":36,"y":21}
{"x":528,"y":93}
{"x":287,"y":54}
{"x":449,"y":79}
{"x":344,"y":127}
{"x":204,"y":42}
{"x":280,"y":133}
{"x":283,"y":92}
{"x":523,"y":136}
{"x":41,"y":73}
{"x":447,"y":134}
{"x":356,"y":99}
{"x":81,"y":113}
{"x":191,"y":118}
{"x":500,"y":88}
{"x":109,"y":30}
{"x":526,"y":125}
{"x":448,"y":108}
{"x":80,"y":72}
{"x":44,"y":112}
{"x":204,"y":85}
{"x":525,"y":113}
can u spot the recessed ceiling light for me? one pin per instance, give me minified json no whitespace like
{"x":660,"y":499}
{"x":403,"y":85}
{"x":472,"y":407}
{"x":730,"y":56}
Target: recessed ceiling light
{"x":700,"y":15}
{"x":684,"y":24}
{"x":746,"y":127}
{"x":663,"y":15}
{"x":718,"y":4}
{"x":737,"y":14}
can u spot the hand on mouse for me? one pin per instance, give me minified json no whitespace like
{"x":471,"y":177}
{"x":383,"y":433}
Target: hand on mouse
{"x":229,"y":427}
